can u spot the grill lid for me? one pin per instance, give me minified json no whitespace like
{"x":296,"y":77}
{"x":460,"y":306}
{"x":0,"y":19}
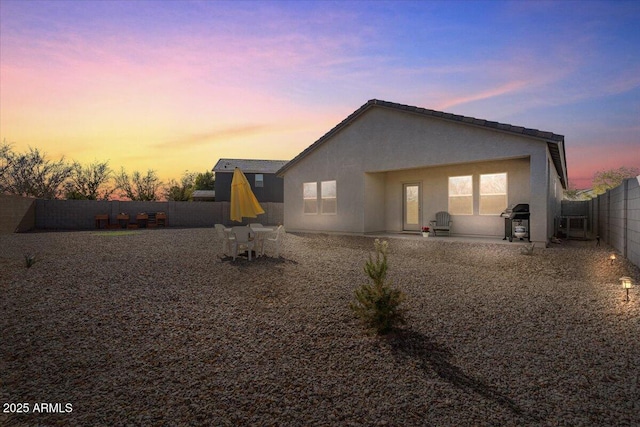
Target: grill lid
{"x":513,"y":210}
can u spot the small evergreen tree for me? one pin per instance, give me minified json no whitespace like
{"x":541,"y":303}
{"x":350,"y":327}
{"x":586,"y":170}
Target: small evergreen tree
{"x":378,"y":304}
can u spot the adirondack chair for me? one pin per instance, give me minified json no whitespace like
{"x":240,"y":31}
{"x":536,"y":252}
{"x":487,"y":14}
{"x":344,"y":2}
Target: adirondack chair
{"x":442,"y":223}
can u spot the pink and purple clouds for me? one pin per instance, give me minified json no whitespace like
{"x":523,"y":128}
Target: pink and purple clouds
{"x":175,"y":85}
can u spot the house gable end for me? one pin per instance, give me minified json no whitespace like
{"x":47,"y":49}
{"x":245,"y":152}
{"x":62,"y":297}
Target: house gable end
{"x":554,"y":142}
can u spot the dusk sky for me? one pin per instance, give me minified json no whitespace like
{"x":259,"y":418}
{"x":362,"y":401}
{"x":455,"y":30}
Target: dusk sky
{"x":176,"y":85}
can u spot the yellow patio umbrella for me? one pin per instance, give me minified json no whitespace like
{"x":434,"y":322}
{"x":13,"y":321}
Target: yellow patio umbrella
{"x":243,"y":201}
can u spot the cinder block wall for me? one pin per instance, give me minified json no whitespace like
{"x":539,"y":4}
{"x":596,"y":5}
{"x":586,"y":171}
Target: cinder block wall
{"x":633,"y":221}
{"x":618,"y":212}
{"x":617,"y":216}
{"x":17,"y":213}
{"x":80,"y":214}
{"x":603,"y":216}
{"x":68,"y":214}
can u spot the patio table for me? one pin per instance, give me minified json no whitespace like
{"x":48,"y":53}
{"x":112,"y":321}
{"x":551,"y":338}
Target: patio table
{"x":259,"y":232}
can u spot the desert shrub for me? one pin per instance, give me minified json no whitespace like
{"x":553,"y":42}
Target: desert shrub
{"x":377,"y":304}
{"x":528,"y":249}
{"x":29,"y":260}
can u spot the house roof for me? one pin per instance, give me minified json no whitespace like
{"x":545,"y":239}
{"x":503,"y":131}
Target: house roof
{"x":204,"y":194}
{"x":555,"y":142}
{"x":249,"y":165}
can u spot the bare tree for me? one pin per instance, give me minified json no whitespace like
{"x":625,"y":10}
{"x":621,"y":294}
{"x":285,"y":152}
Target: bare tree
{"x":89,"y":183}
{"x":137,"y":186}
{"x":6,"y":159}
{"x":31,"y":174}
{"x":608,"y":179}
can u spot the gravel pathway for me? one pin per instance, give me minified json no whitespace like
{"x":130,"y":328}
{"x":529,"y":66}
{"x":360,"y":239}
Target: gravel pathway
{"x":154,"y":328}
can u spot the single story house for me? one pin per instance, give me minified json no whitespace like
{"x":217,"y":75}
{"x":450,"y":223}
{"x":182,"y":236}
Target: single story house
{"x":261,"y":175}
{"x":390,"y":168}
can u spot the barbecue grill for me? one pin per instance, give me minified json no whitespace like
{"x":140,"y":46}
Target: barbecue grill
{"x":514,"y":222}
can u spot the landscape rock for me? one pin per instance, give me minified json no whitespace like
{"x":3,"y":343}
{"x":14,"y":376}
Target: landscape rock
{"x":156,"y":327}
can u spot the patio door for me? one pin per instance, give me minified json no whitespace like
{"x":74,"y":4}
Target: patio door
{"x":411,"y":207}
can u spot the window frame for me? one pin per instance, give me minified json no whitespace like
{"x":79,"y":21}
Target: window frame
{"x":261,"y":180}
{"x":449,"y":196}
{"x":304,"y":199}
{"x":334,"y":198}
{"x":481,"y":194}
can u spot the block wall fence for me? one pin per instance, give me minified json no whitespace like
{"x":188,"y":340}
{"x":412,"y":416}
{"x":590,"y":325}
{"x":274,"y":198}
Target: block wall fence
{"x":24,"y":214}
{"x":615,"y":217}
{"x":17,"y":213}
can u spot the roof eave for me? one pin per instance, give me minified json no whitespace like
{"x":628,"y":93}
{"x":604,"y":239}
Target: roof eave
{"x":559,"y":158}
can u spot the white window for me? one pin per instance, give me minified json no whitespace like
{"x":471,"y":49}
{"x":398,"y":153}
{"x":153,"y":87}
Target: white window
{"x":461,"y":195}
{"x":310,"y":197}
{"x":259,"y":180}
{"x":329,"y":199}
{"x":493,"y":193}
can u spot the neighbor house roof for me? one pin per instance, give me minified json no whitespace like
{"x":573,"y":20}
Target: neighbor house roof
{"x":203,"y":194}
{"x":249,"y":165}
{"x":554,"y":141}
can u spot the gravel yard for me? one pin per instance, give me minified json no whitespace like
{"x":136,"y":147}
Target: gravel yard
{"x":154,"y":328}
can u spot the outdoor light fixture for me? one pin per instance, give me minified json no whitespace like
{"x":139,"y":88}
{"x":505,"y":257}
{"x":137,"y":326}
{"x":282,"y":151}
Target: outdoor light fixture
{"x":612,"y":258}
{"x":626,"y":284}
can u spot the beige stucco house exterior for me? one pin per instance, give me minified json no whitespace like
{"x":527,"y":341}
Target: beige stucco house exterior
{"x":390,"y":167}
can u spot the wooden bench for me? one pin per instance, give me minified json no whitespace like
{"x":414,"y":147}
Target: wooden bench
{"x":142,"y":219}
{"x":100,"y":219}
{"x":159,"y":219}
{"x":123,"y":220}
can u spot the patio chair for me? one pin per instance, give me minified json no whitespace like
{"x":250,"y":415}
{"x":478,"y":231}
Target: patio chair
{"x":255,"y":225}
{"x":243,"y":240}
{"x":441,"y":223}
{"x":226,"y":238}
{"x":275,"y":238}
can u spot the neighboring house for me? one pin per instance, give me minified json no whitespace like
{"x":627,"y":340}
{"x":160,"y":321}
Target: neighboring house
{"x":390,"y":167}
{"x":261,"y":174}
{"x":203,"y":195}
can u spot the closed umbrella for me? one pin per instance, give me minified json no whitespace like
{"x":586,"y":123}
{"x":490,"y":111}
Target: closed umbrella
{"x":243,"y":201}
